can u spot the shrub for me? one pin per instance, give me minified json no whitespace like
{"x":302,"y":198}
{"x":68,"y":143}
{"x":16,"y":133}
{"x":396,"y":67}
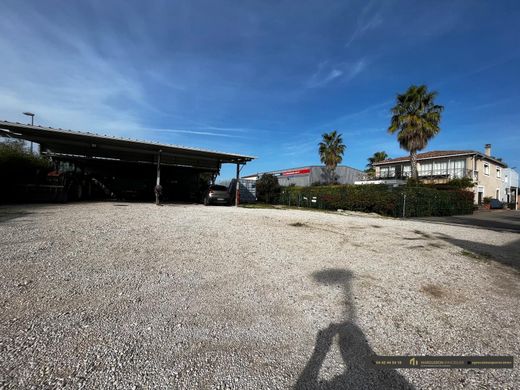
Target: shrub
{"x":381,"y":199}
{"x":267,"y":188}
{"x":19,"y":167}
{"x":454,"y":184}
{"x":462,"y":183}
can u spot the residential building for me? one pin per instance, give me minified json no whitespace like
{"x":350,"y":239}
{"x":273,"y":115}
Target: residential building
{"x":487,"y":172}
{"x":511,"y":182}
{"x":306,"y":176}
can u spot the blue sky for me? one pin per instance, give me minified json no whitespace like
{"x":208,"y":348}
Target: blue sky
{"x":264,"y":78}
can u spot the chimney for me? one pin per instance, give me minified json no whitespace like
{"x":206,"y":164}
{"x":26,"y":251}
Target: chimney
{"x":488,"y":150}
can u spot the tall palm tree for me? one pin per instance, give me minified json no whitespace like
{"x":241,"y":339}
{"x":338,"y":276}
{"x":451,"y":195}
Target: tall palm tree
{"x":331,"y":150}
{"x":415,"y":119}
{"x":377,"y":157}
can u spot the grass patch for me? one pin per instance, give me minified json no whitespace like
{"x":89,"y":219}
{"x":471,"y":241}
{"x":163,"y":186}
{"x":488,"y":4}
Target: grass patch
{"x":474,"y":256}
{"x":423,"y":234}
{"x":257,"y":206}
{"x":298,"y":224}
{"x":433,"y":290}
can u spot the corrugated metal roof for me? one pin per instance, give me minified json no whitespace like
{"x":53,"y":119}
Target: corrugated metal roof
{"x":19,"y":130}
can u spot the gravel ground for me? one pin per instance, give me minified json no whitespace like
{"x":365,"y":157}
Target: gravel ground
{"x":104,"y":295}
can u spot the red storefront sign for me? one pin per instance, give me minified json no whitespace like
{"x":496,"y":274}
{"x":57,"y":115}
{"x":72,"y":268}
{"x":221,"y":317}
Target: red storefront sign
{"x":295,"y":172}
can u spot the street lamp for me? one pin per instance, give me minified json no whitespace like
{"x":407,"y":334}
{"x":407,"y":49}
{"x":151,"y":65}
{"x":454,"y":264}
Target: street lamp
{"x":32,"y":124}
{"x":31,"y":115}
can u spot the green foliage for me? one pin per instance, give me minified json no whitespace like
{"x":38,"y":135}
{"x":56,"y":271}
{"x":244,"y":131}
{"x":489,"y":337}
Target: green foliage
{"x":18,"y":166}
{"x":411,"y":182}
{"x":381,"y":199}
{"x":331,"y":150}
{"x":487,"y":199}
{"x":376,"y":157}
{"x":415,"y":119}
{"x":267,"y":188}
{"x":460,"y":183}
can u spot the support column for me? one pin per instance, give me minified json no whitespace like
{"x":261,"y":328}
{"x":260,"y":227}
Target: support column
{"x":158,"y":168}
{"x":237,"y":190}
{"x":158,"y":182}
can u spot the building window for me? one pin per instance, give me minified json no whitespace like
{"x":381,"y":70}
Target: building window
{"x":440,"y":168}
{"x":387,"y":172}
{"x":383,"y":172}
{"x":425,"y":169}
{"x":457,"y":168}
{"x":499,"y":172}
{"x":486,"y":169}
{"x":407,"y":171}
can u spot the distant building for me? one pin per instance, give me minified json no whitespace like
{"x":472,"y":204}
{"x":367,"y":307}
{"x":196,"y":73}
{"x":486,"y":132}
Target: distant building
{"x":306,"y":176}
{"x":511,"y":182}
{"x":486,"y":171}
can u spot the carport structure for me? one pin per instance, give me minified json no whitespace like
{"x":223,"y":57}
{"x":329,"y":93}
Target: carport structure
{"x":95,"y":150}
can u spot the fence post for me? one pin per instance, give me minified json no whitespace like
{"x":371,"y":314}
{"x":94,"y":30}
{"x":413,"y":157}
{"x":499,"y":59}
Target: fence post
{"x":404,"y":205}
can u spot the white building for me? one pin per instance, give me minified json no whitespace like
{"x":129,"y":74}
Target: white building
{"x":511,"y":182}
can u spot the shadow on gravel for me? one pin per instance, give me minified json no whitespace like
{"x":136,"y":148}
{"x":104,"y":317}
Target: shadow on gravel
{"x":503,"y":221}
{"x":356,"y":352}
{"x":505,"y":254}
{"x":7,"y":216}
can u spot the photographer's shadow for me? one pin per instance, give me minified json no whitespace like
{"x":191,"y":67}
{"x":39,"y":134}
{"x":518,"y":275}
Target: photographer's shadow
{"x":356,"y":352}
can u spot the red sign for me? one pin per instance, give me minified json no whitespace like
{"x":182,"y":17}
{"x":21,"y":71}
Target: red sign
{"x":294,"y":172}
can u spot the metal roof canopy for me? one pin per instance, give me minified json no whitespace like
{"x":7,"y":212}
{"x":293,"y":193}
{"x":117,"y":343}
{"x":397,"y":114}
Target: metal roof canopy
{"x":91,"y":145}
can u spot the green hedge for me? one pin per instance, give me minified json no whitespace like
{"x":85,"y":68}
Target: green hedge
{"x":381,"y":199}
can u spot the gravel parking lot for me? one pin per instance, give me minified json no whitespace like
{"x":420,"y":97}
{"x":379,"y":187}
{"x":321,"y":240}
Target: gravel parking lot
{"x":107,"y":295}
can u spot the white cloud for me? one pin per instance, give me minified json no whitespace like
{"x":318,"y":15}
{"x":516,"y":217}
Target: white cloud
{"x":344,"y":72}
{"x":197,"y":132}
{"x":367,"y":20}
{"x":71,"y":80}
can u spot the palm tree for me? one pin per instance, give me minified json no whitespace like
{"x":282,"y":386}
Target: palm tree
{"x":416,"y":119}
{"x":377,"y":157}
{"x":331,"y":150}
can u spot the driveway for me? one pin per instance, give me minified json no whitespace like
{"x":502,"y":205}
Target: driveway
{"x":498,"y":220}
{"x":104,"y":295}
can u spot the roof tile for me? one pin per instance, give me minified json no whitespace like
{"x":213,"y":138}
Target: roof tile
{"x":434,"y":154}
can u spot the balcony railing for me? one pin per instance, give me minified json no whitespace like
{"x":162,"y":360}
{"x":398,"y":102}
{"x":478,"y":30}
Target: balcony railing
{"x":431,"y":174}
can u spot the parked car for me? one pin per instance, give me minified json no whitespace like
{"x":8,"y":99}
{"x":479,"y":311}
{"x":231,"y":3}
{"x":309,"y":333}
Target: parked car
{"x":217,"y":194}
{"x":495,"y":204}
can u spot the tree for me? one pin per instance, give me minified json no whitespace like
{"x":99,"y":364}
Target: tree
{"x":18,"y":167}
{"x":331,"y":150}
{"x":415,"y":119}
{"x":377,"y":157}
{"x":267,"y":188}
